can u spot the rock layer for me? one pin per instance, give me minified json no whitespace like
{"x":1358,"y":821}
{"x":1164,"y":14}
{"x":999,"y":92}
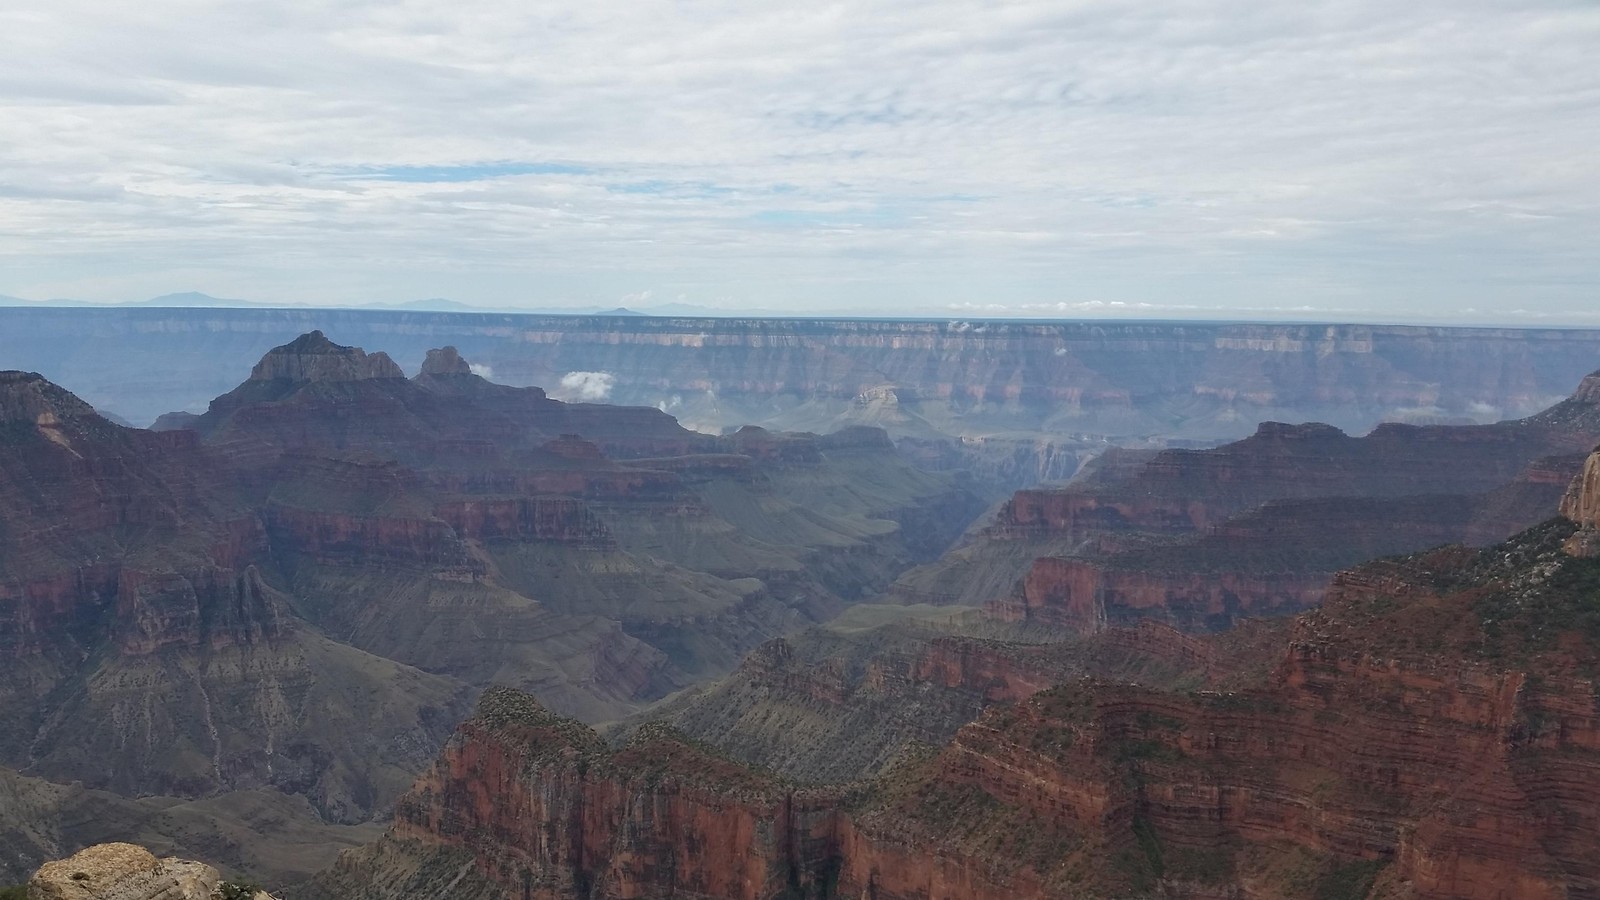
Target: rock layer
{"x":301,"y":589}
{"x":312,"y":357}
{"x":1582,"y":506}
{"x":1431,"y":732}
{"x":1199,"y":538}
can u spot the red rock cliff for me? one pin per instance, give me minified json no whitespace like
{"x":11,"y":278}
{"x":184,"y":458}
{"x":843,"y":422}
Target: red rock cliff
{"x":1430,"y":732}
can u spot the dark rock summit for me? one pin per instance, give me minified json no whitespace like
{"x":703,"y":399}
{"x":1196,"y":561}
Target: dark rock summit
{"x":29,"y":398}
{"x":445,"y":361}
{"x":312,"y":357}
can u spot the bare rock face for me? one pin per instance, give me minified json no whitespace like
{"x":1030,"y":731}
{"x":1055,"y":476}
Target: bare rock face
{"x":445,"y":361}
{"x":1430,"y":732}
{"x":1199,"y":538}
{"x":125,"y":872}
{"x":1582,"y":505}
{"x":312,"y":357}
{"x":28,"y":397}
{"x":1589,"y":390}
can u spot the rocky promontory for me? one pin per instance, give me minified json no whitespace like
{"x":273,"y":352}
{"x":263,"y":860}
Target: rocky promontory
{"x":130,"y":872}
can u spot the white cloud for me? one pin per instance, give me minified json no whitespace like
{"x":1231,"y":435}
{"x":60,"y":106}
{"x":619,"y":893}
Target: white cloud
{"x":588,"y":387}
{"x":885,"y":155}
{"x":481,"y":371}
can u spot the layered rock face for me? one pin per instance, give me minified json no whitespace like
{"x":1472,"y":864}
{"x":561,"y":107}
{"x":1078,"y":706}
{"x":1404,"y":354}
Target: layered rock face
{"x":1102,"y":378}
{"x":300,"y":590}
{"x":841,"y":702}
{"x":312,"y":357}
{"x":658,"y":817}
{"x":27,"y":398}
{"x":1582,"y":506}
{"x":1014,"y":403}
{"x":508,"y":495}
{"x":147,"y":648}
{"x":1430,"y":732}
{"x":1199,"y":538}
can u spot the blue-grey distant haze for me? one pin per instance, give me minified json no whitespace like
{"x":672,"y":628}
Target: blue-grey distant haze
{"x":1349,"y":160}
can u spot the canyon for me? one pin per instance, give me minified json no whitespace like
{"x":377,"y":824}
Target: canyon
{"x":1430,"y":731}
{"x":299,"y":591}
{"x":740,"y":660}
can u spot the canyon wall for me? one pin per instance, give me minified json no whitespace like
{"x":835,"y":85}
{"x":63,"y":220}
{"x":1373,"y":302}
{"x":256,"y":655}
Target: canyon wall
{"x":1430,"y":732}
{"x":1118,"y":379}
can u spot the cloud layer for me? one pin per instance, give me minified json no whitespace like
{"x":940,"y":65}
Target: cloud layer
{"x":588,"y":387}
{"x":1347,"y":158}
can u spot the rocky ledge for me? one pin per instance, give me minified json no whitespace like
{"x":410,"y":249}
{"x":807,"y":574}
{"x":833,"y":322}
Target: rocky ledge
{"x":130,"y":872}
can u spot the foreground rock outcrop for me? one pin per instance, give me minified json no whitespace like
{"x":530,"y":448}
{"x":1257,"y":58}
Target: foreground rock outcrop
{"x":130,"y":872}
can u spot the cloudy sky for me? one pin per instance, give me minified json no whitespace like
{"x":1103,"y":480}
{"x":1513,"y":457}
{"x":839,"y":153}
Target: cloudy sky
{"x":1427,"y":160}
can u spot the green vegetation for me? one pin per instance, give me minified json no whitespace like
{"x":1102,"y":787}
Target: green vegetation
{"x":1148,"y":750}
{"x":14,"y":892}
{"x":1143,"y":862}
{"x":1149,"y":721}
{"x":1351,"y":881}
{"x":238,"y":890}
{"x":1210,"y":865}
{"x":1536,"y":593}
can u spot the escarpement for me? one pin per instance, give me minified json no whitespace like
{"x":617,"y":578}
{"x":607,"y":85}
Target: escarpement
{"x":1015,"y":403}
{"x":1199,"y":538}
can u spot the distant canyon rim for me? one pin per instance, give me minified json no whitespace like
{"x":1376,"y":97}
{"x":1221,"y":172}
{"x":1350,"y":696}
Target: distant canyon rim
{"x":1016,"y":403}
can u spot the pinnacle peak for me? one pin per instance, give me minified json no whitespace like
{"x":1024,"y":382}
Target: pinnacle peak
{"x":313,"y":357}
{"x":314,"y":342}
{"x":445,"y":361}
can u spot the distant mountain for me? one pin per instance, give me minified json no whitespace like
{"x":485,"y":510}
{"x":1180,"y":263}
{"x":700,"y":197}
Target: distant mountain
{"x":194,"y":299}
{"x":18,"y":301}
{"x":433,"y":304}
{"x":181,"y":300}
{"x":715,"y":312}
